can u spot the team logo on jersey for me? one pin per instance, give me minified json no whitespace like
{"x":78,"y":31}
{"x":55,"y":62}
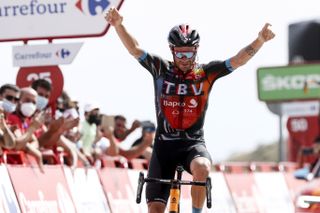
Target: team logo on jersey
{"x":193,"y":103}
{"x":183,"y":101}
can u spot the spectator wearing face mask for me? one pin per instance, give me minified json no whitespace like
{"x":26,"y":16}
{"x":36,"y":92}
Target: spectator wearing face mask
{"x":43,"y":88}
{"x":24,"y":123}
{"x":9,"y":96}
{"x":52,"y":136}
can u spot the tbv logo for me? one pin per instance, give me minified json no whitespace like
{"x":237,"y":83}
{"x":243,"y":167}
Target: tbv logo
{"x":93,"y":7}
{"x":63,"y":53}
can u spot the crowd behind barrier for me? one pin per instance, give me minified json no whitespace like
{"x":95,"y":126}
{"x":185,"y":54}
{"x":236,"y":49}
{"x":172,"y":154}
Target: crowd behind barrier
{"x":111,"y":187}
{"x":33,"y":122}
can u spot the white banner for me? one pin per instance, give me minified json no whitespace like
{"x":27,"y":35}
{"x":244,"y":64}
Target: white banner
{"x":301,"y":108}
{"x":86,"y":190}
{"x":40,"y":19}
{"x":221,"y":197}
{"x":273,"y":195}
{"x":44,"y":55}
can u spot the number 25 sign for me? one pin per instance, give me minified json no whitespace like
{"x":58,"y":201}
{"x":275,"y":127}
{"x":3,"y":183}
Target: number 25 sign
{"x":53,"y":74}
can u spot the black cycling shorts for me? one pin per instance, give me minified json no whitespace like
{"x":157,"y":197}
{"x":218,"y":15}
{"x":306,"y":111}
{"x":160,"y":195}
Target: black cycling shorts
{"x":166,"y":156}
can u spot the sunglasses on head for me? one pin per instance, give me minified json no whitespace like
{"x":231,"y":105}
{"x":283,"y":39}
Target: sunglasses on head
{"x":188,"y":55}
{"x":11,"y":98}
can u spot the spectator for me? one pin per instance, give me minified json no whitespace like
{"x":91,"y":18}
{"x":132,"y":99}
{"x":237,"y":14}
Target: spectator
{"x":52,"y":136}
{"x":120,"y":130}
{"x":307,"y":151}
{"x":7,"y":139}
{"x":89,"y":130}
{"x":148,"y":134}
{"x":108,"y":145}
{"x":24,"y":124}
{"x":70,"y":111}
{"x":43,"y":88}
{"x":304,"y":170}
{"x":9,"y":96}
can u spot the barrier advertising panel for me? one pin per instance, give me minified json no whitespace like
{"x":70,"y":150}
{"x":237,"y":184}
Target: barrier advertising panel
{"x":221,"y":197}
{"x":244,"y":194}
{"x":86,"y":190}
{"x":120,"y":194}
{"x":274,"y":196}
{"x":41,"y":192}
{"x":8,"y":200}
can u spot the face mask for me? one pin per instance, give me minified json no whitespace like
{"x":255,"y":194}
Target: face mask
{"x":28,"y":109}
{"x":94,"y":119}
{"x":8,"y":106}
{"x":41,"y":102}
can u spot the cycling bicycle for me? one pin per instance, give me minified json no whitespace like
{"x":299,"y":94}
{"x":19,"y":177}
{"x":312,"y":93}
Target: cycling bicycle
{"x":174,"y":199}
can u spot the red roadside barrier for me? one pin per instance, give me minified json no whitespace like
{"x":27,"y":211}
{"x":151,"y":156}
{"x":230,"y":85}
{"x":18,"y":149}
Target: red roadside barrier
{"x":293,"y":184}
{"x":8,"y":200}
{"x":241,"y":183}
{"x":119,"y":192}
{"x":236,"y":187}
{"x":41,"y":192}
{"x":86,"y":190}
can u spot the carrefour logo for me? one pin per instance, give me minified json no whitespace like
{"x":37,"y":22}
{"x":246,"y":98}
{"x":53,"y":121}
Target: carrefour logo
{"x":63,"y":53}
{"x":92,"y":7}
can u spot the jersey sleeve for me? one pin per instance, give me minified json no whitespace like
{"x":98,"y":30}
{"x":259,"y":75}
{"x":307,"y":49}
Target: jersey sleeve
{"x":153,"y":63}
{"x":217,"y":69}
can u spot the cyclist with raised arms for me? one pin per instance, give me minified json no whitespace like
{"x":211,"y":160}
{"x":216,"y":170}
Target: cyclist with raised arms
{"x":182,"y":88}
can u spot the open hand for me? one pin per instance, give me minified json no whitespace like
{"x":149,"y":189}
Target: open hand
{"x":3,"y":123}
{"x":70,"y":123}
{"x":38,"y":120}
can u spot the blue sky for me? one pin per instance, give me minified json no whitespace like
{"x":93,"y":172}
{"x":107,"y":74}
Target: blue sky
{"x":236,"y":120}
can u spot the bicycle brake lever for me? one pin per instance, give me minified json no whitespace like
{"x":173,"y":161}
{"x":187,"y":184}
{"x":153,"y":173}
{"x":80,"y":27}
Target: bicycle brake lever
{"x":140,"y":187}
{"x":208,"y":192}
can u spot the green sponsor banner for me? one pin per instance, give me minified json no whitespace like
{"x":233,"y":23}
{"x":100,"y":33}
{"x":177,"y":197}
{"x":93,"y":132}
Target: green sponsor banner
{"x":285,"y":83}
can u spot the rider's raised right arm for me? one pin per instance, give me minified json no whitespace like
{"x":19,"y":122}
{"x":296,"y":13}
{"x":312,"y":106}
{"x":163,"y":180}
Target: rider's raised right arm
{"x":115,"y":19}
{"x":129,"y":41}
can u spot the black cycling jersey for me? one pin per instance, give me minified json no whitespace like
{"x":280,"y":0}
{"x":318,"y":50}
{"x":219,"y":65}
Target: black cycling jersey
{"x":181,"y":99}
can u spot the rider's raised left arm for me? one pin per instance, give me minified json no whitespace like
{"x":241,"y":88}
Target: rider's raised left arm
{"x":249,"y":51}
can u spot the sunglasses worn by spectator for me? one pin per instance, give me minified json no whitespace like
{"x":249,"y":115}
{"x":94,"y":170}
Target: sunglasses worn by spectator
{"x":11,"y":98}
{"x":181,"y":54}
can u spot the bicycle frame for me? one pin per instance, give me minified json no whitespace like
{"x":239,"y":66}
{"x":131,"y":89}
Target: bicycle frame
{"x":174,"y":200}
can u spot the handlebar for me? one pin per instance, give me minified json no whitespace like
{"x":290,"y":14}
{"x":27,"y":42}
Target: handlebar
{"x":143,"y":180}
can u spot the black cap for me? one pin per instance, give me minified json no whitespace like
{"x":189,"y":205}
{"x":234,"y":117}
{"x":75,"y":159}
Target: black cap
{"x":148,"y":126}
